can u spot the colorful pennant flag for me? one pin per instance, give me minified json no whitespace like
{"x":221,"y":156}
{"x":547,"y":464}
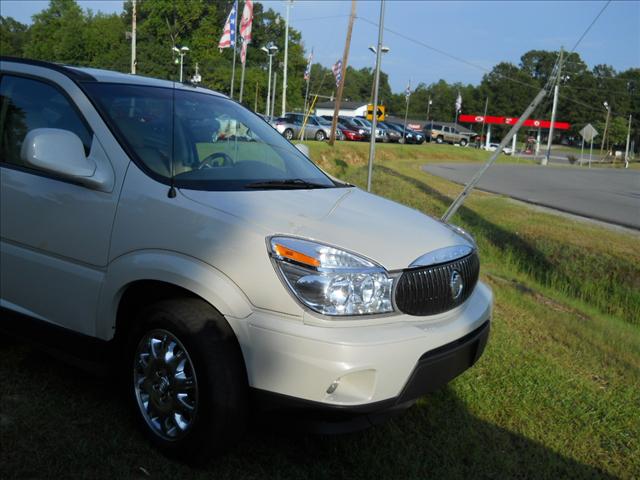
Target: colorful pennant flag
{"x":307,"y":71}
{"x":337,"y":72}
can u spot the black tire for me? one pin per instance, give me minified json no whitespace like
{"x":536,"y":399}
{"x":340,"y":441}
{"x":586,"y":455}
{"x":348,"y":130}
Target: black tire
{"x":439,"y":140}
{"x":221,"y":392}
{"x":288,"y":134}
{"x":320,"y":135}
{"x":463,"y":143}
{"x":401,"y":140}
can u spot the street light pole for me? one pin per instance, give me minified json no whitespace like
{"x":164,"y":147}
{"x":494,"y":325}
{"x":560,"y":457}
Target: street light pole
{"x":374,"y":123}
{"x":182,"y":51}
{"x":606,"y":127}
{"x":271,"y":49}
{"x":286,"y":55}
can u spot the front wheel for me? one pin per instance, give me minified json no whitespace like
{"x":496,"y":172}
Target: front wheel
{"x":188,"y":380}
{"x":320,"y":135}
{"x":439,"y":140}
{"x":288,"y":134}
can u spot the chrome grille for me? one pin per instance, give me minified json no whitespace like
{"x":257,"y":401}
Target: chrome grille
{"x":427,"y":290}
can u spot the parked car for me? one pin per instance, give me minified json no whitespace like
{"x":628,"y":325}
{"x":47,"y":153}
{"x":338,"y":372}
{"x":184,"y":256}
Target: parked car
{"x":494,"y":146}
{"x":349,"y":134}
{"x":407,"y":135}
{"x":445,"y":134}
{"x":347,"y":123}
{"x":218,"y":276}
{"x":316,"y":127}
{"x":366,"y":123}
{"x":391,"y":135}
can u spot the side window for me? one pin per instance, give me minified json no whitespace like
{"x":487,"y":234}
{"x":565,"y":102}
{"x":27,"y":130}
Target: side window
{"x":27,"y":104}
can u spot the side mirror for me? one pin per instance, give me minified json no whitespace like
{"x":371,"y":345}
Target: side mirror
{"x":56,"y":151}
{"x":303,"y":148}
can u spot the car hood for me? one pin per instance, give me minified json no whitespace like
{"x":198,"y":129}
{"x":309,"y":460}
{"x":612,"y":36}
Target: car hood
{"x":384,"y":231}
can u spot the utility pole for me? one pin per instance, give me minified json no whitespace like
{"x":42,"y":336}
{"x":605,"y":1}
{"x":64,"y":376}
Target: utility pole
{"x":428,"y":108}
{"x":345,"y":60}
{"x":133,"y":37}
{"x":626,"y":150}
{"x":606,"y":128}
{"x":286,"y":55}
{"x":484,"y":119}
{"x":374,"y":122}
{"x":556,"y":89}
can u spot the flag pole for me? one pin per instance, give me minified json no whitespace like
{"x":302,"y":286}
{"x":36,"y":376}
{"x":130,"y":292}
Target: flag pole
{"x":235,"y":50}
{"x":306,"y":94}
{"x":242,"y":77}
{"x":406,"y":113}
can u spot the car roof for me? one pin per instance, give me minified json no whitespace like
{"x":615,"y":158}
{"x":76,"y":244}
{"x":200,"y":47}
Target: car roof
{"x":86,"y":74}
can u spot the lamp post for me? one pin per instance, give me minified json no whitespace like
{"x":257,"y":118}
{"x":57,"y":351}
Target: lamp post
{"x":378,"y":51}
{"x":270,"y":49}
{"x":182,"y":51}
{"x":606,"y":127}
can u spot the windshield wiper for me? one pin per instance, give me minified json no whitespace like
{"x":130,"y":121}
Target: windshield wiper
{"x":286,"y":183}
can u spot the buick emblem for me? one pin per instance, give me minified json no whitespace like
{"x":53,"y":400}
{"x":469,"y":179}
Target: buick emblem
{"x":456,"y":284}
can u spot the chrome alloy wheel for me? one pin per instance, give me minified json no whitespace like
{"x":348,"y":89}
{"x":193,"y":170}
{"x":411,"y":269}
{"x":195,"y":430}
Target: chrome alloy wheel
{"x":165,"y":384}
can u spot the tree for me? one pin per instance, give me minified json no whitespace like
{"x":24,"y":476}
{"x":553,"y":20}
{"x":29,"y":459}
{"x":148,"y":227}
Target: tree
{"x":56,"y":34}
{"x":13,"y":35}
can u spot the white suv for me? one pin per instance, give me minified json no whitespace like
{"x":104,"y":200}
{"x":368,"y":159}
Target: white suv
{"x":171,"y":231}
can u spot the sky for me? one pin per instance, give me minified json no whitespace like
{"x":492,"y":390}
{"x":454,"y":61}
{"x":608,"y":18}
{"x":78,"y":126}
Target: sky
{"x":483,"y":33}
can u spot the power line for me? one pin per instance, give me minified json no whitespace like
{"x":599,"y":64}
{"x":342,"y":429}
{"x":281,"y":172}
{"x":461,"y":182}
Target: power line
{"x":584,"y":34}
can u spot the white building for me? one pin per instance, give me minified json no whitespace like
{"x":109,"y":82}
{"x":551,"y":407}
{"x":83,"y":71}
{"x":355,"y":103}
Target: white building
{"x":347,"y":109}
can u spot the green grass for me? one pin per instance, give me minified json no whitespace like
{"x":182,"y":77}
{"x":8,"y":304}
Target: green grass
{"x":555,"y":395}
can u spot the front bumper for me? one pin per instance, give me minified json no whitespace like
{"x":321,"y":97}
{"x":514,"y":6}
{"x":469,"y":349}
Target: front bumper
{"x":353,"y":365}
{"x":433,"y":370}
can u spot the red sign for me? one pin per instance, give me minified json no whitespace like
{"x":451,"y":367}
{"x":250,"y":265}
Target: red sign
{"x":512,"y":121}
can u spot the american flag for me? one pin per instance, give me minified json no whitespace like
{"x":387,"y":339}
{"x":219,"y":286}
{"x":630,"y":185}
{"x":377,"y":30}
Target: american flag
{"x":407,"y":92}
{"x":459,"y":102}
{"x":307,"y":71}
{"x":228,"y":38}
{"x":337,"y":72}
{"x":245,"y":28}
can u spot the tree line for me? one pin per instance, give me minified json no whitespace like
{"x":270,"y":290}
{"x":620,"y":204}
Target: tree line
{"x":64,"y":32}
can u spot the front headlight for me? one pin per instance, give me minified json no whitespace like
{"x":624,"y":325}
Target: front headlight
{"x":331,"y":281}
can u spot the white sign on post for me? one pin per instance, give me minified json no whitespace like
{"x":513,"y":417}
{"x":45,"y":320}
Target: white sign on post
{"x":588,"y":133}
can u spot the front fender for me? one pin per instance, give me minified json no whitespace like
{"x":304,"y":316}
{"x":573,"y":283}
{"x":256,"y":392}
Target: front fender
{"x":170,"y":267}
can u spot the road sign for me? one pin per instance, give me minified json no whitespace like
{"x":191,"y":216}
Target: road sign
{"x":588,"y":132}
{"x":380,"y":114}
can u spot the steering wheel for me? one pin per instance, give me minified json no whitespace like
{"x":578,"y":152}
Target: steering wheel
{"x":208,"y":161}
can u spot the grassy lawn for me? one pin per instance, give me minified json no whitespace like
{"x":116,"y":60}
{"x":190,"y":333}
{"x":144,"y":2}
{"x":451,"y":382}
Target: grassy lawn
{"x":556,"y":394}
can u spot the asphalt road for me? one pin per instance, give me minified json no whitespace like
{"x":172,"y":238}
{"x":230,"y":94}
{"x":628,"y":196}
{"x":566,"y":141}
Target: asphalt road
{"x":602,"y":193}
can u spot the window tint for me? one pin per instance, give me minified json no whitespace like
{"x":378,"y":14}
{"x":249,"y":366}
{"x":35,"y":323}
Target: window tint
{"x":27,"y":104}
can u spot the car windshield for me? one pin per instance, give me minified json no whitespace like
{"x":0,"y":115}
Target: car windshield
{"x":203,"y":141}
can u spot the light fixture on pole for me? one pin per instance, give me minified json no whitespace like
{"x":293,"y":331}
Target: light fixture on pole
{"x":270,"y":49}
{"x":373,"y":49}
{"x":606,"y":126}
{"x":182,"y":51}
